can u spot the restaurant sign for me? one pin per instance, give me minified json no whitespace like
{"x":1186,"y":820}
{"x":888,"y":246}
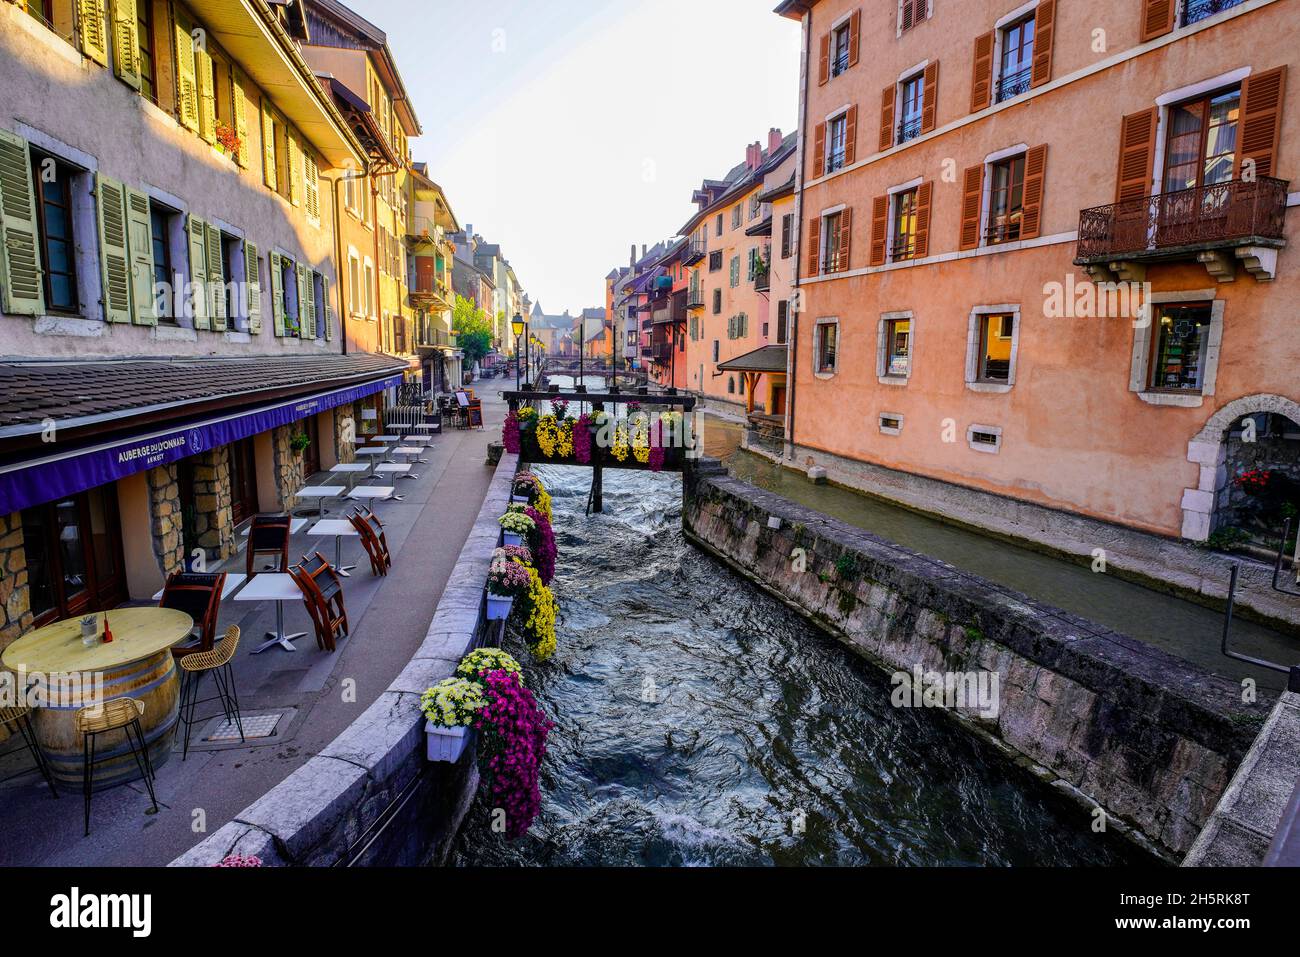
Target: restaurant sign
{"x":24,"y":484}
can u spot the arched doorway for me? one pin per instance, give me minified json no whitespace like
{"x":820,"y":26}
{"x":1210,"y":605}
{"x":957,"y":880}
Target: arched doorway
{"x":1249,"y":458}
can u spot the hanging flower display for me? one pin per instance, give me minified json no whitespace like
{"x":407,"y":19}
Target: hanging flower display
{"x":656,"y":459}
{"x":514,"y":731}
{"x":452,"y":703}
{"x":541,"y":610}
{"x":620,"y":447}
{"x":542,"y":544}
{"x":555,"y":438}
{"x":582,"y":440}
{"x":510,"y":436}
{"x":476,"y":665}
{"x":641,"y":439}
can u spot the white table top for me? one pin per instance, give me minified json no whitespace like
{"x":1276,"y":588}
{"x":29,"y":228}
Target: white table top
{"x":407,"y":450}
{"x":295,"y":526}
{"x":350,"y":467}
{"x":371,"y":450}
{"x":333,"y":526}
{"x":385,"y":438}
{"x":320,"y":491}
{"x":426,"y":427}
{"x":270,"y":586}
{"x":233,"y":581}
{"x":387,"y":468}
{"x":372,"y":491}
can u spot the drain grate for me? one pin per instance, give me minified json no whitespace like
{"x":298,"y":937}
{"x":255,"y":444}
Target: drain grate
{"x":255,"y":726}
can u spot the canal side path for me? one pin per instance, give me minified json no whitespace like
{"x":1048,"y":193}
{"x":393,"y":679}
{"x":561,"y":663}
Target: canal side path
{"x":316,"y":695}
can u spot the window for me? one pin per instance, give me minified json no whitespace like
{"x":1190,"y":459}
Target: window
{"x":1016,"y":65}
{"x":840,"y":38}
{"x":755,"y":264}
{"x":826,"y":343}
{"x":731,"y":384}
{"x":891,"y":423}
{"x":736,"y":214}
{"x":292,"y":306}
{"x":160,"y":221}
{"x":1181,"y":340}
{"x":787,"y":235}
{"x":369,"y":290}
{"x":716,"y":346}
{"x":231,"y":251}
{"x":354,"y":285}
{"x":74,"y":555}
{"x":1196,"y":10}
{"x":755,"y":207}
{"x":715,"y":261}
{"x":836,"y":142}
{"x":996,"y":336}
{"x":904,"y":225}
{"x":144,"y":30}
{"x":717,"y":302}
{"x":897,"y":344}
{"x":1202,"y":141}
{"x":58,"y":242}
{"x":832,"y":244}
{"x":782,"y":320}
{"x":912,"y":98}
{"x":984,"y":438}
{"x":735,"y":271}
{"x":718,"y":227}
{"x":1006,"y":200}
{"x":911,"y":12}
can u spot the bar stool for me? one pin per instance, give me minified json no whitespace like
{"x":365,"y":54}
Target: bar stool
{"x":117,"y":714}
{"x":217,"y":662}
{"x":22,"y":719}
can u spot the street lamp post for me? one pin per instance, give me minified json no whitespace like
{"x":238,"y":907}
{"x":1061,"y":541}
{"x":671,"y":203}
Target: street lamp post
{"x":517,"y":327}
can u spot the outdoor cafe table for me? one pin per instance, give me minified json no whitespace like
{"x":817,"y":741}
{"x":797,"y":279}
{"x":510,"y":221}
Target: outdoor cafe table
{"x":393,"y":468}
{"x":279,"y":588}
{"x":351,"y":470}
{"x":412,"y":452}
{"x":372,"y":492}
{"x":137,"y":663}
{"x":338,"y":528}
{"x":295,"y":526}
{"x":320,"y":493}
{"x":374,"y":452}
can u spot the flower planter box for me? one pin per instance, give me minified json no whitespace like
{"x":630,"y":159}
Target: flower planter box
{"x":498,"y":607}
{"x":446,"y":744}
{"x":522,"y":499}
{"x":512,"y":539}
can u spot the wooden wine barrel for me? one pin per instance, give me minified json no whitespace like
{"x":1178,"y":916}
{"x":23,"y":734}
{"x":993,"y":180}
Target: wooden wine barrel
{"x":69,"y":676}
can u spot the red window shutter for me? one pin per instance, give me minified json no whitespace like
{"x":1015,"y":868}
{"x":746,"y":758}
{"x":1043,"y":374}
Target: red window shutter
{"x":972,"y":198}
{"x":814,"y":246}
{"x":981,"y":84}
{"x":1044,"y":27}
{"x":923,"y":196}
{"x":1137,"y":147}
{"x":1157,"y":18}
{"x":1261,"y":121}
{"x":879,"y":229}
{"x":1031,"y":220}
{"x":824,"y":73}
{"x":855,"y":37}
{"x":819,"y":150}
{"x":846,"y":232}
{"x":887,"y":117}
{"x":930,"y":98}
{"x":851,"y":136}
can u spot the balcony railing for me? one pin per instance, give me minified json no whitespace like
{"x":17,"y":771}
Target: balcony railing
{"x":903,"y":247}
{"x":1196,"y":10}
{"x":909,"y":129}
{"x":1232,"y":213}
{"x":693,"y":252}
{"x":695,"y":299}
{"x":1013,"y":84}
{"x":762,"y":280}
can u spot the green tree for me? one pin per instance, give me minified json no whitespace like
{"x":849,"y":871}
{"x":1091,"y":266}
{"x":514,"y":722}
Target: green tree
{"x":473,"y":330}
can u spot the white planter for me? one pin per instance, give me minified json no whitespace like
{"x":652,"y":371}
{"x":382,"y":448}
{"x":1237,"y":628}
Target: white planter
{"x":511,"y":539}
{"x":522,"y":499}
{"x":498,"y":607}
{"x":445,"y":744}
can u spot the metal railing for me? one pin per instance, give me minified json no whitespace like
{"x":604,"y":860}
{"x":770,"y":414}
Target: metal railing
{"x":1196,"y":10}
{"x":1222,"y":212}
{"x":909,"y":129}
{"x":693,"y":252}
{"x":904,"y":247}
{"x":1013,"y":84}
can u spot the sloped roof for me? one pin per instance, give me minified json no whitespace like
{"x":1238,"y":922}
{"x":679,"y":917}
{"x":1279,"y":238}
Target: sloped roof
{"x":768,"y":358}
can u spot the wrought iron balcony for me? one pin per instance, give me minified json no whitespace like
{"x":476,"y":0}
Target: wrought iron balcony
{"x":903,"y":247}
{"x":763,"y":280}
{"x":1013,"y":84}
{"x":909,"y":129}
{"x":693,"y":252}
{"x":695,"y":299}
{"x":1196,"y":10}
{"x":1186,"y":223}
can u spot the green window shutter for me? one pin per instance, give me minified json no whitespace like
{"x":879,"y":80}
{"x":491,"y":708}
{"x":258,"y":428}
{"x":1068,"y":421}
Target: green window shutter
{"x":207,"y":94}
{"x":277,"y":291}
{"x":197,"y":232}
{"x":187,"y":92}
{"x":20,"y":251}
{"x":139,"y":234}
{"x":306,"y":303}
{"x":311,"y":185}
{"x":93,"y":24}
{"x":253,"y":277}
{"x":240,"y":105}
{"x":268,"y":146}
{"x":114,"y":258}
{"x":329,"y":307}
{"x":126,"y":42}
{"x":216,"y":279}
{"x":295,"y":168}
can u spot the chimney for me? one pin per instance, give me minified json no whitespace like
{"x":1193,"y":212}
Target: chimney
{"x":773,"y":141}
{"x":643,"y":250}
{"x":752,"y":154}
{"x":469,"y":231}
{"x":632,"y":259}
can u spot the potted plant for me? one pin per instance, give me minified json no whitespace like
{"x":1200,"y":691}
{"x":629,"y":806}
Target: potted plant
{"x":515,"y":527}
{"x":475,"y":665}
{"x":300,"y":443}
{"x":507,"y":580}
{"x":449,"y":708}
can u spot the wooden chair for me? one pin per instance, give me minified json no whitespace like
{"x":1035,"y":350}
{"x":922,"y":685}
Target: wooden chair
{"x":322,"y":591}
{"x":199,"y":596}
{"x":21,"y":719}
{"x":269,"y":535}
{"x":371,"y":532}
{"x":115,"y":715}
{"x":215,"y":661}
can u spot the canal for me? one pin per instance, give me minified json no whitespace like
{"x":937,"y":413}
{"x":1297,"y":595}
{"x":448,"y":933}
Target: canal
{"x":700,"y":722}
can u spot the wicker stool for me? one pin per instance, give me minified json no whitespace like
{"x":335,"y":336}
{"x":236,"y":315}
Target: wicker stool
{"x":22,"y":719}
{"x":117,"y":714}
{"x":217,"y":662}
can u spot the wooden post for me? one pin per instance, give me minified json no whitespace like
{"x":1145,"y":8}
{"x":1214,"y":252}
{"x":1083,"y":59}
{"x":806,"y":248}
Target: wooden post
{"x":597,"y":488}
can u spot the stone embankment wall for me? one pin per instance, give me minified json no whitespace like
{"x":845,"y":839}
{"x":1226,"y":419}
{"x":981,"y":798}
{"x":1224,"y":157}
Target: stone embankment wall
{"x":1108,"y":720}
{"x":370,"y":797}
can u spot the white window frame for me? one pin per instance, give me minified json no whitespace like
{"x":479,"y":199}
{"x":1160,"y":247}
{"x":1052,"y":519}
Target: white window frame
{"x":1172,"y":98}
{"x":831,"y":118}
{"x":898,"y":17}
{"x":883,"y":375}
{"x":354,"y":283}
{"x":816,"y":349}
{"x":369,"y":284}
{"x":823,"y":233}
{"x":890,"y":429}
{"x":977,"y":315}
{"x":1140,"y":368}
{"x":893,"y":192}
{"x":999,"y":39}
{"x":916,"y":72}
{"x":842,"y":22}
{"x":986,"y":190}
{"x":984,"y":447}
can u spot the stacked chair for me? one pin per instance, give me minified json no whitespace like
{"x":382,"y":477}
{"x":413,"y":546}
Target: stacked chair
{"x":371,"y":531}
{"x":199,"y":596}
{"x":269,"y":535}
{"x":322,"y":593}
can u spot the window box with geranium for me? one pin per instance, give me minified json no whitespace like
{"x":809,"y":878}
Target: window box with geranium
{"x":450,"y":707}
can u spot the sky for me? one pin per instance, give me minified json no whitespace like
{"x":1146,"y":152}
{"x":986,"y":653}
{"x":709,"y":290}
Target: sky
{"x":567,"y":130}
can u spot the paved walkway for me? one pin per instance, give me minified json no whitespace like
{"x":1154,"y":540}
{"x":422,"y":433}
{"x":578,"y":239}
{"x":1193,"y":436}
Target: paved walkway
{"x":317,"y":695}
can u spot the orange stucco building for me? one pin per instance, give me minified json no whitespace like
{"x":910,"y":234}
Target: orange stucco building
{"x":1043,"y":253}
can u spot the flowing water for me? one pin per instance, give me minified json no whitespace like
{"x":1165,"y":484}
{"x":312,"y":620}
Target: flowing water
{"x":701,"y":722}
